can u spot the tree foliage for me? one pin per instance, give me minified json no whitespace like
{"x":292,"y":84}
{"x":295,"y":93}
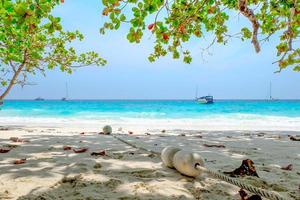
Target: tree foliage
{"x":32,"y":40}
{"x":175,"y":22}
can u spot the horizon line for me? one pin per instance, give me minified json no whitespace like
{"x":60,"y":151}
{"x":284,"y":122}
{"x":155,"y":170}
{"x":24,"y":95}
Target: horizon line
{"x":154,"y":99}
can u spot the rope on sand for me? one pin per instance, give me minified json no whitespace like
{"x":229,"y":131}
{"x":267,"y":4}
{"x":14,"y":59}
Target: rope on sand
{"x":136,"y":147}
{"x":236,"y":182}
{"x":250,"y":188}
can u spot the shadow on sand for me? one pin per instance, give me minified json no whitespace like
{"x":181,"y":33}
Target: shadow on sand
{"x":125,"y":173}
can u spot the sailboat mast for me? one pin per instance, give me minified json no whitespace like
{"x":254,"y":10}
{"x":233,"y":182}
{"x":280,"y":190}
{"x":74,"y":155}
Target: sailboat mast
{"x":196,"y":93}
{"x":67,"y":92}
{"x":270,"y":90}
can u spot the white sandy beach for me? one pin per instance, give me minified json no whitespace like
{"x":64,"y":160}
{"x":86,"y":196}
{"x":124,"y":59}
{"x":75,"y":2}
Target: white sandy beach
{"x":128,"y":173}
{"x":91,"y":93}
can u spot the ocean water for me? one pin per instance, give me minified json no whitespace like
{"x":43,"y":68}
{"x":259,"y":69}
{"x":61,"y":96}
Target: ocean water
{"x":161,"y":109}
{"x":223,"y":113}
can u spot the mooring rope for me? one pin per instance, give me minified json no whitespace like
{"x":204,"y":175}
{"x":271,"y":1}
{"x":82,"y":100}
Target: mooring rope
{"x":136,"y":147}
{"x":250,"y":188}
{"x":236,"y":182}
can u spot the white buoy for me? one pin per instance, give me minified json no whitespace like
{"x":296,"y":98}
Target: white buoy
{"x":186,"y":161}
{"x":107,"y":130}
{"x":167,"y":155}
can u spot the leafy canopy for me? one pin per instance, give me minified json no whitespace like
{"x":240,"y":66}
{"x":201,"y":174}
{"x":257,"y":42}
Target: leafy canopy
{"x":176,"y":22}
{"x":32,"y":40}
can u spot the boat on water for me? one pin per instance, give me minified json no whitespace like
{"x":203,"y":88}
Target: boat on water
{"x":1,"y":102}
{"x":39,"y":99}
{"x":205,"y":100}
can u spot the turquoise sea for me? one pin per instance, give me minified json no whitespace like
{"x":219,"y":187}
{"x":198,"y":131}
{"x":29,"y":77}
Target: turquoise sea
{"x":152,"y":109}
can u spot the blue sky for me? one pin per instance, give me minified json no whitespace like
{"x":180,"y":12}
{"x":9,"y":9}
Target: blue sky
{"x":232,"y":71}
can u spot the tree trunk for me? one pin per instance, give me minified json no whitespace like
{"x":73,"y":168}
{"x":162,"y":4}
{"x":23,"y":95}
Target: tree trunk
{"x":12,"y":82}
{"x":247,"y":12}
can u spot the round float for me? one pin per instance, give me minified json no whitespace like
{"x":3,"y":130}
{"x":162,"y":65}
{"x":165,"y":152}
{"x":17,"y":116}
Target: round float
{"x":167,"y":155}
{"x":107,"y":130}
{"x":186,"y":161}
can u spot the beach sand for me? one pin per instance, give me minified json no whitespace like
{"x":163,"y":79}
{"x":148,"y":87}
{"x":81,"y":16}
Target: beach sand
{"x":129,"y":173}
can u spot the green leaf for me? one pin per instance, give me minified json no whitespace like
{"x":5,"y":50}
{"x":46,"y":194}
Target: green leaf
{"x":30,"y":34}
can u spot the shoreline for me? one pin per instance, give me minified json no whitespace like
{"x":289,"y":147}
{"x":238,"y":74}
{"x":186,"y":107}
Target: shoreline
{"x":219,"y":123}
{"x":128,"y":173}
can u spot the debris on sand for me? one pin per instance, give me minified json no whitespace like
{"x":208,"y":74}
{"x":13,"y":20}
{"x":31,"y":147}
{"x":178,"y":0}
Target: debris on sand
{"x":4,"y":150}
{"x":288,"y":167}
{"x":261,"y":134}
{"x":80,"y":150}
{"x":97,"y":166}
{"x":10,"y":146}
{"x":16,"y":139}
{"x":70,"y":179}
{"x":214,"y":145}
{"x":294,"y":138}
{"x":67,"y":148}
{"x":20,"y":161}
{"x":244,"y":196}
{"x":99,"y":153}
{"x":247,"y":168}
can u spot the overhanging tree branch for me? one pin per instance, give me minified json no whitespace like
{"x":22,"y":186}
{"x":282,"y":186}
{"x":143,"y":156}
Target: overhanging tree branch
{"x":33,"y":41}
{"x":12,"y":82}
{"x":184,"y":21}
{"x":242,"y":4}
